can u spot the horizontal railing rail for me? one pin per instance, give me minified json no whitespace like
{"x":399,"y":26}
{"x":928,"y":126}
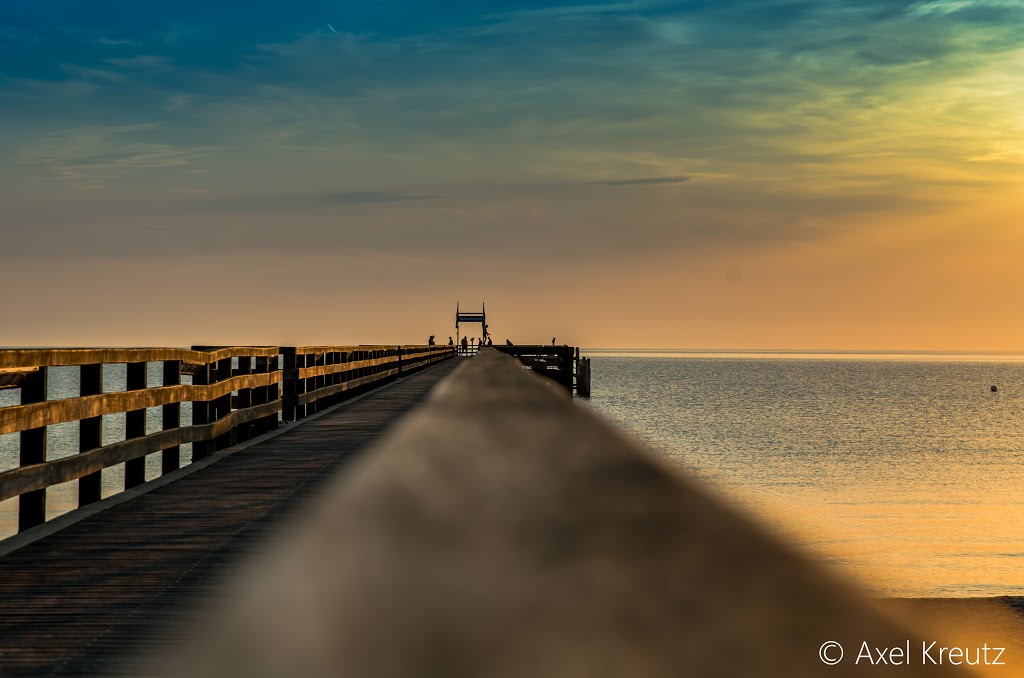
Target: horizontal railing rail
{"x":48,"y":413}
{"x":65,"y":357}
{"x":501,"y":530}
{"x":235,"y":393}
{"x":320,"y":376}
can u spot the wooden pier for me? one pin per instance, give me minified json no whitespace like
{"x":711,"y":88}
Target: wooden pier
{"x":236,"y":393}
{"x":461,"y":518}
{"x":561,"y":363}
{"x":75,"y":600}
{"x":564,"y":364}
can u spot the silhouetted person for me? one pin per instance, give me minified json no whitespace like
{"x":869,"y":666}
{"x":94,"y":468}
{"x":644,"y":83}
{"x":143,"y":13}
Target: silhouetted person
{"x":430,"y":342}
{"x":508,"y":342}
{"x":450,"y":342}
{"x":489,"y":342}
{"x":552,"y":341}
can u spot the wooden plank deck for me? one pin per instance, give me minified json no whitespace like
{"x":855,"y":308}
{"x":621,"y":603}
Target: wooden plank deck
{"x":78,"y":601}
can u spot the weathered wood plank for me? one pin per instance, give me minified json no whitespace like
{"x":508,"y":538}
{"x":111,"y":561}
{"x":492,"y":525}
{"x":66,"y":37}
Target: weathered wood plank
{"x":22,"y":417}
{"x":12,"y":377}
{"x":37,"y":476}
{"x":324,"y":370}
{"x":326,"y":391}
{"x":54,"y":357}
{"x":348,"y":349}
{"x":327,"y":369}
{"x":313,"y":396}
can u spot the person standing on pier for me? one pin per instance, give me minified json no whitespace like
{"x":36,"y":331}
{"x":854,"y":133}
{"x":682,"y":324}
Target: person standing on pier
{"x":464,"y":344}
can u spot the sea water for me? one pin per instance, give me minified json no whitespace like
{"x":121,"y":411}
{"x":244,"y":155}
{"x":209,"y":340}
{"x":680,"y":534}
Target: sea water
{"x":904,"y":471}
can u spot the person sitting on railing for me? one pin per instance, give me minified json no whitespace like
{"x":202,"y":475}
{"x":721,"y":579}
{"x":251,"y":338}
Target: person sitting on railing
{"x":450,"y":342}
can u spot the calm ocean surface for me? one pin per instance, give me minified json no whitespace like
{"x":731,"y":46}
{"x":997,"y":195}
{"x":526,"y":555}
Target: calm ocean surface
{"x":903,"y":470}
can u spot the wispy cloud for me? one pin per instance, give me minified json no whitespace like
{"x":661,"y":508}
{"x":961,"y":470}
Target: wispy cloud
{"x":141,"y":61}
{"x":642,"y":181}
{"x":370,"y":197}
{"x":92,"y":156}
{"x":93,"y":74}
{"x":953,"y":6}
{"x":116,"y":42}
{"x":309,"y":200}
{"x":16,"y":34}
{"x":800,"y":105}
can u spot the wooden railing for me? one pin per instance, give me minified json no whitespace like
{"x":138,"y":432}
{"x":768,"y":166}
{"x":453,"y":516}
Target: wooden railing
{"x":500,"y":530}
{"x":561,"y":363}
{"x":320,"y":376}
{"x":235,"y":395}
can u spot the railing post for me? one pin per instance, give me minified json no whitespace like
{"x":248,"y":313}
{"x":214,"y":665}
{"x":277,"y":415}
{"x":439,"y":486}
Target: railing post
{"x":303,"y":360}
{"x":292,"y":384}
{"x":273,"y":393}
{"x":336,"y":377}
{"x":201,"y":411}
{"x":135,"y":426}
{"x":319,"y":360}
{"x":90,"y":433}
{"x":583,"y":378}
{"x":222,"y":405}
{"x":309,"y":360}
{"x":399,"y":349}
{"x":260,"y":394}
{"x":32,"y":505}
{"x":170,"y":459}
{"x":244,"y":431}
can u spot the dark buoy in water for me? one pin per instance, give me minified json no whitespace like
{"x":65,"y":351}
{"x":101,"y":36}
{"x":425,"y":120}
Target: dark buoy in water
{"x":994,"y":388}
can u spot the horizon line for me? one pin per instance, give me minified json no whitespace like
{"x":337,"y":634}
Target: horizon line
{"x":809,"y":351}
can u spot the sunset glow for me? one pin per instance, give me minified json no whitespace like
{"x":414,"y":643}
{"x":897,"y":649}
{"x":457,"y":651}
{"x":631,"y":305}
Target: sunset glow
{"x":742,"y":174}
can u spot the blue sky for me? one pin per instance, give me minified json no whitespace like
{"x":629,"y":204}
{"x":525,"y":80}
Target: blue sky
{"x":443,"y":140}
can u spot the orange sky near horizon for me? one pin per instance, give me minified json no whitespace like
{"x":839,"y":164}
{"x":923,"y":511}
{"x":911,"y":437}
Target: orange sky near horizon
{"x":959,"y":290}
{"x":838,"y":176}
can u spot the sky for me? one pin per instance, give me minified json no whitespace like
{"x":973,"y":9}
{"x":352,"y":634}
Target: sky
{"x":746,"y":174}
